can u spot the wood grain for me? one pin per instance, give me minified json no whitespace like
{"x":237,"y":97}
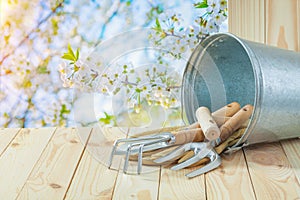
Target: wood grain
{"x":6,"y":136}
{"x":239,"y":17}
{"x":175,"y":185}
{"x":274,"y":22}
{"x":298,"y":22}
{"x":38,"y":161}
{"x":143,"y":186}
{"x":247,"y":19}
{"x":230,"y":16}
{"x":53,"y":172}
{"x":93,"y":179}
{"x":292,"y":150}
{"x":19,"y":159}
{"x":101,"y":143}
{"x":232,"y":23}
{"x":271,"y":173}
{"x":259,"y":25}
{"x":281,"y":23}
{"x":231,"y":180}
{"x":244,"y":18}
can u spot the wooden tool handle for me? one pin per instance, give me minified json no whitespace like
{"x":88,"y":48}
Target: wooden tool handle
{"x":235,"y":122}
{"x":207,"y":123}
{"x":221,"y":116}
{"x":189,"y":127}
{"x":186,"y":136}
{"x":194,"y":133}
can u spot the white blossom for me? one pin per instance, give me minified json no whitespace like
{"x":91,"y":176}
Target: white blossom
{"x":213,"y":6}
{"x":219,"y":18}
{"x":223,"y":4}
{"x":212,"y":27}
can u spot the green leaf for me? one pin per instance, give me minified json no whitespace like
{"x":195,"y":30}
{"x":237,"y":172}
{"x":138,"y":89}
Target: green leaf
{"x":104,"y":121}
{"x":128,"y":3}
{"x":27,"y":83}
{"x":157,"y":23}
{"x":138,"y":90}
{"x":67,"y":56}
{"x":64,"y":110}
{"x":107,"y":119}
{"x":202,"y":4}
{"x":42,"y":70}
{"x":77,"y":54}
{"x":116,"y":90}
{"x":6,"y":115}
{"x":71,"y":51}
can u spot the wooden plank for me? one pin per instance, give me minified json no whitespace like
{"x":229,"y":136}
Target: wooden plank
{"x":244,"y":14}
{"x":237,"y":7}
{"x":19,"y":159}
{"x":262,"y":21}
{"x":53,"y":172}
{"x":143,"y":186}
{"x":298,"y":23}
{"x":281,"y":24}
{"x":175,"y":185}
{"x":230,"y":16}
{"x":239,"y":18}
{"x":6,"y":136}
{"x":93,"y":179}
{"x":247,"y":19}
{"x":242,"y":18}
{"x":271,"y":174}
{"x":251,"y":20}
{"x":292,"y":150}
{"x":259,"y":16}
{"x":232,"y":21}
{"x":231,"y":180}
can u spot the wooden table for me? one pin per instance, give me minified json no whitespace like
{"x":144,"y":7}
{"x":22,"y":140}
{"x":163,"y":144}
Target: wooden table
{"x":55,"y":163}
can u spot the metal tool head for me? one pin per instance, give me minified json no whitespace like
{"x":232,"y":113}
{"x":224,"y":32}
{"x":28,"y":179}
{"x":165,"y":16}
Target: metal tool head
{"x":215,"y":161}
{"x":201,"y":150}
{"x":133,"y":146}
{"x":178,"y":152}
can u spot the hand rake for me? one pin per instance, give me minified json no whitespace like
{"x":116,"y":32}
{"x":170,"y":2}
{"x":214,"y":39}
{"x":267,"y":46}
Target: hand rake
{"x":193,"y":133}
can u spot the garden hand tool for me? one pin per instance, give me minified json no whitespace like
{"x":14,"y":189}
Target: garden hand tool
{"x":139,"y":145}
{"x":205,"y":149}
{"x":211,"y":132}
{"x":219,"y":149}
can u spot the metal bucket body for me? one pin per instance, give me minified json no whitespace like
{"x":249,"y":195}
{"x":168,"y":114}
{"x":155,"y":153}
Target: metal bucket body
{"x":224,"y":68}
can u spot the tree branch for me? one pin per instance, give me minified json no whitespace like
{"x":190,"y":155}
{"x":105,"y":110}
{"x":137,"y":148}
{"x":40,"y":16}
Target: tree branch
{"x":31,"y":32}
{"x":108,"y":19}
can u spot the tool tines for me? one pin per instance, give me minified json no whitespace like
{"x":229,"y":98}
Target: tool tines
{"x":200,"y":151}
{"x":133,"y":146}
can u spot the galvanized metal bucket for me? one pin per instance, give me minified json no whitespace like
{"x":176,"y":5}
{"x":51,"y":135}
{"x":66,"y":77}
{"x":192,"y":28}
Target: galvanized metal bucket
{"x":224,"y":68}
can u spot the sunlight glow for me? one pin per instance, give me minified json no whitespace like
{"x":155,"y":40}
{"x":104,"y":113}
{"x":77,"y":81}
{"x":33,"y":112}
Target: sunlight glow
{"x":6,"y":10}
{"x":4,"y":7}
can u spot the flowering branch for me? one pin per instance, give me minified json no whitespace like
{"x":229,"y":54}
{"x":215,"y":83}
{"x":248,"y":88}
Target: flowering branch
{"x":169,"y":34}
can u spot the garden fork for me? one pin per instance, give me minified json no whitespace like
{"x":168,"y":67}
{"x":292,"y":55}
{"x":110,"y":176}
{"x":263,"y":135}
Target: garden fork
{"x":206,"y":149}
{"x":139,"y":145}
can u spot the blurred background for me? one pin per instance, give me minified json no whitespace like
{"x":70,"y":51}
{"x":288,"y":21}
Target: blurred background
{"x":33,"y":37}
